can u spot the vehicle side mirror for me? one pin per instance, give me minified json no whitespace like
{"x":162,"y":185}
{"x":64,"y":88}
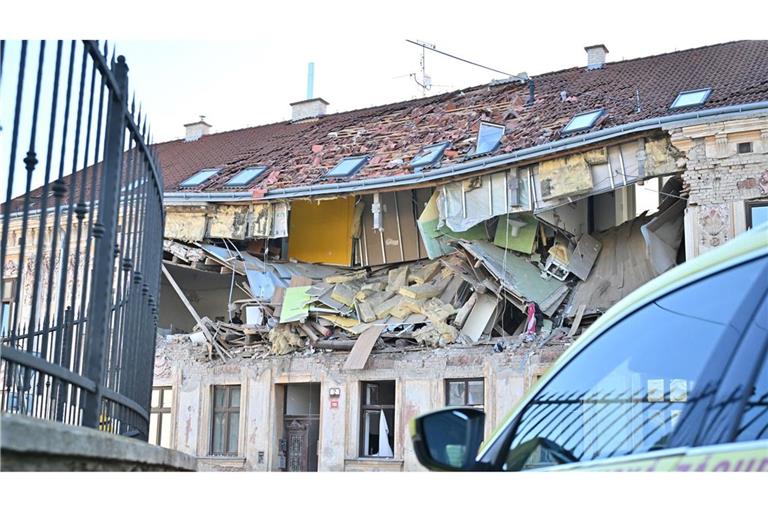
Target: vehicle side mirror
{"x":448,"y":439}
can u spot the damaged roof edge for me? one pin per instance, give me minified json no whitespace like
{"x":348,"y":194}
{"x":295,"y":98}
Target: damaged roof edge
{"x":466,"y":167}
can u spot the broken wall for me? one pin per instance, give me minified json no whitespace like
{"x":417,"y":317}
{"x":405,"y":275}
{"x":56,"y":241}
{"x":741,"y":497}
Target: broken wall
{"x":721,"y":180}
{"x":233,"y":221}
{"x":186,"y":223}
{"x":464,"y":204}
{"x":208,"y":293}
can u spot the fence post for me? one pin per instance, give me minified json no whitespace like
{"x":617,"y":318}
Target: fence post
{"x":104,"y":233}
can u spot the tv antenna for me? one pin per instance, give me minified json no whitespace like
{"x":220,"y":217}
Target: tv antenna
{"x":426,"y":81}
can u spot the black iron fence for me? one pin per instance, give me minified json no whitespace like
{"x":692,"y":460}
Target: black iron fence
{"x":81,"y":246}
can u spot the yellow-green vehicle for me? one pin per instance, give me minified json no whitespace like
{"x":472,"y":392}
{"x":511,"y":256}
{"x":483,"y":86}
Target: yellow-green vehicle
{"x":672,"y":378}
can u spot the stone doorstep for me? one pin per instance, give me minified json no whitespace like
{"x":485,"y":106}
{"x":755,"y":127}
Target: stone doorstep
{"x":26,"y":435}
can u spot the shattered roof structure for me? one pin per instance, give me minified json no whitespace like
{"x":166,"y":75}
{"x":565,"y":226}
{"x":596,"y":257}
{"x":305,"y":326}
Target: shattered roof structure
{"x":300,"y":154}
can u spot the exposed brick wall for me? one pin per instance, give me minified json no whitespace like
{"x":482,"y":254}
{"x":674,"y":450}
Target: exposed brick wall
{"x":719,"y":179}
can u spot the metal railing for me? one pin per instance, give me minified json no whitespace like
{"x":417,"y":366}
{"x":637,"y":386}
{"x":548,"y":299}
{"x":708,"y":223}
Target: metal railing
{"x":81,"y":246}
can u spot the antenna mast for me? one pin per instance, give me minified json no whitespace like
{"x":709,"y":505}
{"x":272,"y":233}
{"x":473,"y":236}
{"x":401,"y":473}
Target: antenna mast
{"x":431,"y":47}
{"x":426,"y":80}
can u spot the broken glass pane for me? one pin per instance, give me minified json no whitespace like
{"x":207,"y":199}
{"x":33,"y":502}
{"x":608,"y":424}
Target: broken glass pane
{"x":387,"y":393}
{"x":429,"y":155}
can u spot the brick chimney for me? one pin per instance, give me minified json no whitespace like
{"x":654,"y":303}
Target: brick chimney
{"x":196,"y":130}
{"x":308,"y":109}
{"x":596,"y":56}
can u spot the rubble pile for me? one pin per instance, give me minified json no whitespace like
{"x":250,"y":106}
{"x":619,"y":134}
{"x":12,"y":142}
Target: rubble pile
{"x":428,"y":303}
{"x":530,"y":284}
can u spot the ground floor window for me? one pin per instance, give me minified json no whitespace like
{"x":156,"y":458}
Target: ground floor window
{"x":226,"y":420}
{"x":377,"y":421}
{"x":160,"y":416}
{"x":464,"y":392}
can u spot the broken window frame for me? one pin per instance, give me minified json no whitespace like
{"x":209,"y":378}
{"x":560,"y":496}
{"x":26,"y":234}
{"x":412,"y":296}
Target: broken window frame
{"x":466,"y":401}
{"x":594,"y":115}
{"x":480,"y":137}
{"x":752,"y":205}
{"x":227,"y":410}
{"x":161,"y":414}
{"x":356,"y":166}
{"x":681,"y":95}
{"x":259,"y":171}
{"x":195,"y":180}
{"x":366,"y":409}
{"x":429,"y":155}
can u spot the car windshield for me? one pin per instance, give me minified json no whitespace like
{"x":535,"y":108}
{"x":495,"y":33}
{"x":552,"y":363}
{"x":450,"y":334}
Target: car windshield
{"x":625,"y":392}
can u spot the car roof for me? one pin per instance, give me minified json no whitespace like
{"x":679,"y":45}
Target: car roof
{"x":742,"y":248}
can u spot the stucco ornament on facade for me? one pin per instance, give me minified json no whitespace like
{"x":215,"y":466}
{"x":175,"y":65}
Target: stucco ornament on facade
{"x":714,"y":221}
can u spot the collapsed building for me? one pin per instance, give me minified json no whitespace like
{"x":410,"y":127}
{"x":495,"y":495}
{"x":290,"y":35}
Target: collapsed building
{"x":328,"y":278}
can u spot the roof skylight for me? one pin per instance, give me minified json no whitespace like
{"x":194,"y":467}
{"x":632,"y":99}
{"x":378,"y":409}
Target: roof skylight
{"x":583,"y":121}
{"x":245,"y":176}
{"x":429,"y":155}
{"x":691,"y":98}
{"x":347,"y":167}
{"x":199,"y":177}
{"x":489,"y":137}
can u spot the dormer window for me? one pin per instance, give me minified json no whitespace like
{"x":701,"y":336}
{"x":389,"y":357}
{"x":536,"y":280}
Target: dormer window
{"x":583,"y":121}
{"x":691,"y":98}
{"x":347,"y":167}
{"x":245,"y":177}
{"x":489,"y":137}
{"x":430,"y":155}
{"x":199,"y":178}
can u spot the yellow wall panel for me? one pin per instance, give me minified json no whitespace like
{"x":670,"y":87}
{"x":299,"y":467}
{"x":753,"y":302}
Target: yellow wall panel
{"x":321,"y":232}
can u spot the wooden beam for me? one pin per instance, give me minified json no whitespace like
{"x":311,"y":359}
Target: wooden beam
{"x":363,"y":346}
{"x":577,"y":320}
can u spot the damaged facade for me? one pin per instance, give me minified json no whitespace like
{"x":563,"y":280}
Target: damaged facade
{"x":330,"y":278}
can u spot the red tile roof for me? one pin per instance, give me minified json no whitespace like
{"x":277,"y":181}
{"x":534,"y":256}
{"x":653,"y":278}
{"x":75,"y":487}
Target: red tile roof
{"x":300,"y":154}
{"x":632,"y":90}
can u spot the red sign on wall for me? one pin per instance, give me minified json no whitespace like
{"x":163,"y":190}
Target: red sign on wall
{"x":334,"y":403}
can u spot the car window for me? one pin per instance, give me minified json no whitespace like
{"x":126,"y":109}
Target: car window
{"x":625,"y":393}
{"x":754,"y":420}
